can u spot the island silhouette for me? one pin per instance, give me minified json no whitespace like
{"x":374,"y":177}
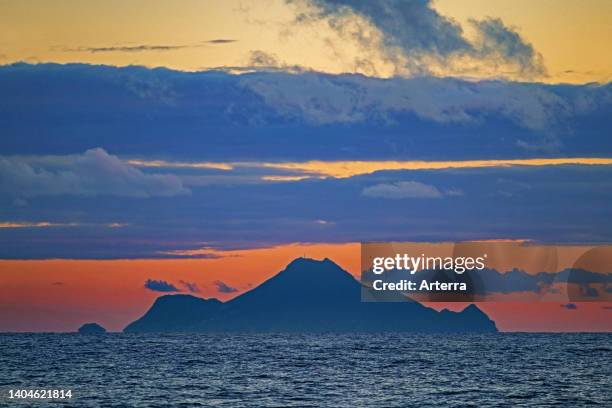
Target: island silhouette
{"x":91,"y":328}
{"x":307,"y":296}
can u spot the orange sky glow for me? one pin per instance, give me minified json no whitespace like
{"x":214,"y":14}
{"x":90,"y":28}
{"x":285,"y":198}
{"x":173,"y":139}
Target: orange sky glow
{"x":112,"y":292}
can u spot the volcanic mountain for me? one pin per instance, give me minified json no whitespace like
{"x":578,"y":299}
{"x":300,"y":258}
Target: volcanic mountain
{"x":308,"y":296}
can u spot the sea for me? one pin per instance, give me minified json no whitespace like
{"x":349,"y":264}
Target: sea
{"x":308,"y":370}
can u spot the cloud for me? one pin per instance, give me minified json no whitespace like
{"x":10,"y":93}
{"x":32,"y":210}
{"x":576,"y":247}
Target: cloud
{"x":417,"y":39}
{"x":402,"y":189}
{"x":160,"y":286}
{"x":500,"y":43}
{"x":222,"y":287}
{"x":410,"y":25}
{"x":147,"y":47}
{"x":323,"y":222}
{"x":454,"y":193}
{"x":570,"y":306}
{"x":192,"y":165}
{"x":92,"y":173}
{"x":116,"y":225}
{"x":47,"y":224}
{"x":39,"y":224}
{"x":325,"y":99}
{"x":221,"y":41}
{"x":289,"y":121}
{"x":258,"y":58}
{"x":252,"y":171}
{"x":190,"y":286}
{"x":262,"y":61}
{"x":302,"y":116}
{"x":225,"y":216}
{"x":133,"y":48}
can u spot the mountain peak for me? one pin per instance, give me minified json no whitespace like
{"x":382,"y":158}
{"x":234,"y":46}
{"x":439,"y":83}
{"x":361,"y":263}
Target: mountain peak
{"x":309,"y":273}
{"x":303,"y":261}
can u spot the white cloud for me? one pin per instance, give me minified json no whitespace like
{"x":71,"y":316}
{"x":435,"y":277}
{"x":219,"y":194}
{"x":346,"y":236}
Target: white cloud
{"x":402,"y":189}
{"x":92,"y":173}
{"x":324,"y":99}
{"x":40,"y":224}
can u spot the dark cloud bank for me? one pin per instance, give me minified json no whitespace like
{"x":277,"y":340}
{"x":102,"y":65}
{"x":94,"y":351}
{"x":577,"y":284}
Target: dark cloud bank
{"x":94,"y":116}
{"x":68,"y":109}
{"x":566,"y":203}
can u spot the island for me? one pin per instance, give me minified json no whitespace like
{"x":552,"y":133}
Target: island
{"x":91,"y":328}
{"x":307,"y":296}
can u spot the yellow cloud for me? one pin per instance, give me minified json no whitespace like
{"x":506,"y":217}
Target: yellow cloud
{"x":198,"y":165}
{"x":344,"y":169}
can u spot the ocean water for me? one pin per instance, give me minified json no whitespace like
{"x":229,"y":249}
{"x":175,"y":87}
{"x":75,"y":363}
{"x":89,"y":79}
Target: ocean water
{"x":318,"y":370}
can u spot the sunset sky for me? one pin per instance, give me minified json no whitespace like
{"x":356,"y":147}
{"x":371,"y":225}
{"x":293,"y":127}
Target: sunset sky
{"x":154,"y":147}
{"x":572,"y":36}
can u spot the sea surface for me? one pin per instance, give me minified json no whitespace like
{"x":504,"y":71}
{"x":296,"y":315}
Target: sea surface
{"x":310,"y":370}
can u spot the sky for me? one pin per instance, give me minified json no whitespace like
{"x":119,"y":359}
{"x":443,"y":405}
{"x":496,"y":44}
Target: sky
{"x":199,"y":146}
{"x":194,"y":35}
